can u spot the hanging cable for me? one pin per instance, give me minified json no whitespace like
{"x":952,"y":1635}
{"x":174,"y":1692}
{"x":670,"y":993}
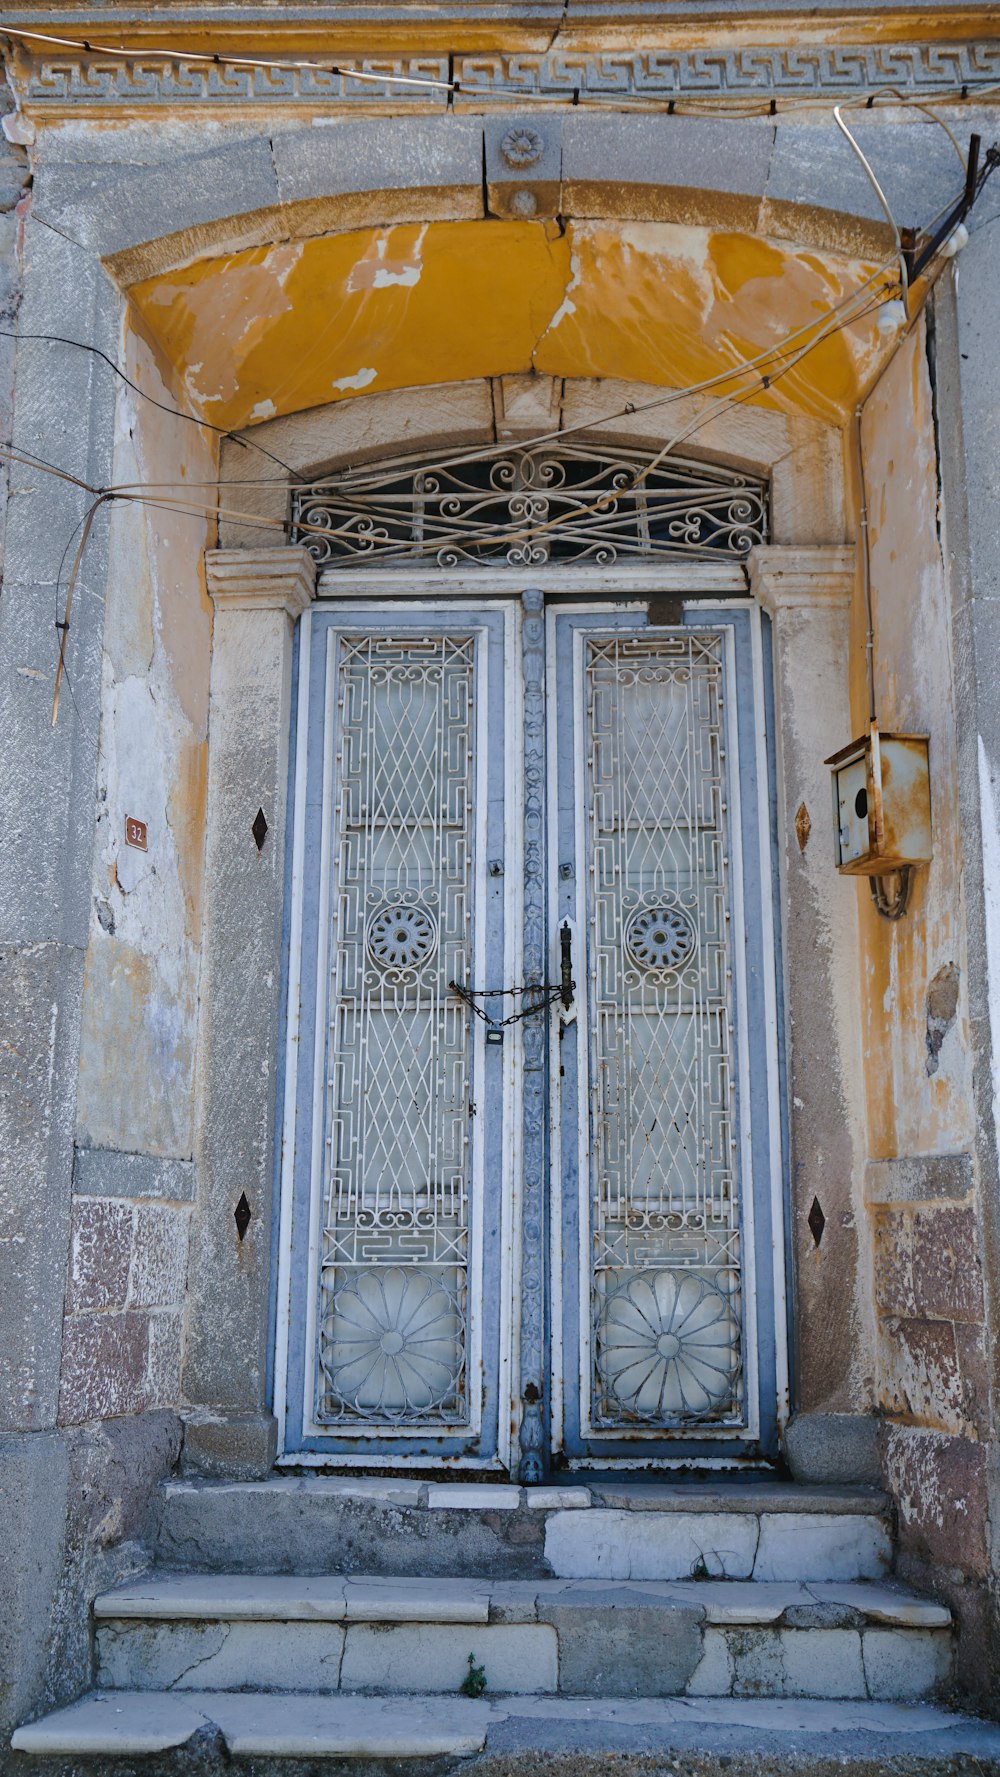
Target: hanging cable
{"x":866,"y":566}
{"x":230,"y":61}
{"x":883,"y":200}
{"x":176,"y":413}
{"x":847,"y":311}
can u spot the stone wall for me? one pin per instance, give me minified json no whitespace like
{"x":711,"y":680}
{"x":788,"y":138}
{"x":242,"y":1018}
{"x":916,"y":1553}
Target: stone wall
{"x":93,"y":1278}
{"x":923,"y":1184}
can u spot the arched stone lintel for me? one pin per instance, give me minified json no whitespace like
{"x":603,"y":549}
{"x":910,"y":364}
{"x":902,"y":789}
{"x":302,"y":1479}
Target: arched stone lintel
{"x":790,"y":180}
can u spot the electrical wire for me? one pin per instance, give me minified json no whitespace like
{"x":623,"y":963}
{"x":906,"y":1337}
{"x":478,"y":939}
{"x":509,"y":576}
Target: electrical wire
{"x":229,"y":61}
{"x":188,"y":508}
{"x":919,"y":105}
{"x":183,"y":505}
{"x":225,"y":433}
{"x":356,"y":478}
{"x":880,"y":194}
{"x":176,"y":413}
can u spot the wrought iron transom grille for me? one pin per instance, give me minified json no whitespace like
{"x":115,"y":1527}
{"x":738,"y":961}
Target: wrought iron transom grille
{"x":528,"y":506}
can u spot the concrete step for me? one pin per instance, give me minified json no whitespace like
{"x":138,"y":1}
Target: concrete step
{"x":712,"y":1638}
{"x":723,"y":1738}
{"x":769,"y":1531}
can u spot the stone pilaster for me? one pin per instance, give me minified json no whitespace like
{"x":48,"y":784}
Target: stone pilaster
{"x":807,"y":594}
{"x":258,"y":595}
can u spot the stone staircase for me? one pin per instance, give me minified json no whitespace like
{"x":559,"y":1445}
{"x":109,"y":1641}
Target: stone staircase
{"x":309,"y":1619}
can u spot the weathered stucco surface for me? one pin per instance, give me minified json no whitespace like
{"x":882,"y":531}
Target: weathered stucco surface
{"x":916,"y":1031}
{"x":924,"y":1218}
{"x":267,"y":331}
{"x":141,"y":990}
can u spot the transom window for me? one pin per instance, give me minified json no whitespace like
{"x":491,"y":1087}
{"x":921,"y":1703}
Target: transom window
{"x":522,"y":506}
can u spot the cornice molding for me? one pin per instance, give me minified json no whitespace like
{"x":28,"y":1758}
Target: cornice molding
{"x":742,"y":19}
{"x":72,"y":81}
{"x":282,"y":579}
{"x":783,"y":579}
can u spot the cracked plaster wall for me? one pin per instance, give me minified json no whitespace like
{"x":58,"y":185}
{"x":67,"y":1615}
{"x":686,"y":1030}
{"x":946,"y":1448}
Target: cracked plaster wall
{"x":123,"y":1333}
{"x":142,"y":959}
{"x":923,"y":1217}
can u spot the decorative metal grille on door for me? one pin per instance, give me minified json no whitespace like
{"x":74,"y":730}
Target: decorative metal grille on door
{"x":395,"y":1225}
{"x":665,"y":1205}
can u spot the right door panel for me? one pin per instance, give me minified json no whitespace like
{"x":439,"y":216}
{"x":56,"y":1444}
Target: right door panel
{"x":666,"y":1220}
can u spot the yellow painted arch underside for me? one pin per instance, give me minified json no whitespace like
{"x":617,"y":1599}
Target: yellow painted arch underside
{"x":273,"y":330}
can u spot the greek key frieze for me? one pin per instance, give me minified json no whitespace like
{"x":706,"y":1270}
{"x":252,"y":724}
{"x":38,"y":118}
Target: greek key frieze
{"x":68,"y":81}
{"x":676,"y":73}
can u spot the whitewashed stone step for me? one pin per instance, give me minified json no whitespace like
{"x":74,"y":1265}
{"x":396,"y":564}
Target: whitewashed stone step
{"x":764,"y":1530}
{"x":653,"y":1639}
{"x":300,"y":1598}
{"x":266,"y":1726}
{"x":651,"y":1545}
{"x":124,"y":1724}
{"x":165,"y":1597}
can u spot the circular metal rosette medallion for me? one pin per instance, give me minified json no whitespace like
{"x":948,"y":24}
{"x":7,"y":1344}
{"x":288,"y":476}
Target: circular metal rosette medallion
{"x":660,"y":938}
{"x":401,"y":937}
{"x":668,"y":1347}
{"x":394,"y":1347}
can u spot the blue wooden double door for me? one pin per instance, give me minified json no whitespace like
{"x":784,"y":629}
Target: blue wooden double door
{"x":531,"y":1208}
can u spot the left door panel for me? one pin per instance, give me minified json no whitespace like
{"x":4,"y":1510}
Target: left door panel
{"x":391,"y":1329}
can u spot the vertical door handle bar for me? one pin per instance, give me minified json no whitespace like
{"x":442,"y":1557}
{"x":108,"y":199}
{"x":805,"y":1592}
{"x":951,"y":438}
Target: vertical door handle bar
{"x":567,"y":984}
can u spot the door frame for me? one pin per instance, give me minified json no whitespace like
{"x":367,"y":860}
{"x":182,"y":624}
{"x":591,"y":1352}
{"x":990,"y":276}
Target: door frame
{"x":706,"y":586}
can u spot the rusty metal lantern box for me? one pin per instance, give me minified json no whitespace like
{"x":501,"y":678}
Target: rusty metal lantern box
{"x":881,"y":803}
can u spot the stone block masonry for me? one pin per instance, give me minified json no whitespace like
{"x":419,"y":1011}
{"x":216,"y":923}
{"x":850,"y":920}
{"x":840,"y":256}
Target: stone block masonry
{"x":124,"y":1302}
{"x":931,"y":1316}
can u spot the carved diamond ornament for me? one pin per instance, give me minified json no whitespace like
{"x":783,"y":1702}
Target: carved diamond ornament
{"x":401,"y":937}
{"x":660,"y":938}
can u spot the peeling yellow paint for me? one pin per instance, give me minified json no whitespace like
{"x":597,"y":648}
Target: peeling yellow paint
{"x":273,"y":330}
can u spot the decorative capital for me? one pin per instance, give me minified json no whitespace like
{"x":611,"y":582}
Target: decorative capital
{"x":262,"y":579}
{"x":781,"y":579}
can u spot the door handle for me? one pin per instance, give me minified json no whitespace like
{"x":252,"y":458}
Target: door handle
{"x":567,"y":986}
